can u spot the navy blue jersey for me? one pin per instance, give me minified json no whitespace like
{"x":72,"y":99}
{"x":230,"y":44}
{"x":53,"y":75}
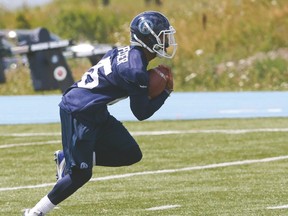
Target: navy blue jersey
{"x":121,"y":73}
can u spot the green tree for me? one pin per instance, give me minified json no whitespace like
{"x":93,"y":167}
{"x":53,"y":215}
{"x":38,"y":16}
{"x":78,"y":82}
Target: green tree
{"x":22,"y":21}
{"x":86,"y":25}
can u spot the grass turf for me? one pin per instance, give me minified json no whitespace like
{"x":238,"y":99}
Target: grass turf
{"x":229,"y":190}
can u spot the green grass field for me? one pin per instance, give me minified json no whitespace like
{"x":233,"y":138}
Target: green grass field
{"x":199,"y":167}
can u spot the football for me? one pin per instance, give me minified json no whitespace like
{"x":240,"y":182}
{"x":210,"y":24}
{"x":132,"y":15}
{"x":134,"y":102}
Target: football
{"x":157,"y":81}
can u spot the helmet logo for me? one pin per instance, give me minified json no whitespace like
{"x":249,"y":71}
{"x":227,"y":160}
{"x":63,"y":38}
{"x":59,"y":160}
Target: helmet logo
{"x":145,"y":26}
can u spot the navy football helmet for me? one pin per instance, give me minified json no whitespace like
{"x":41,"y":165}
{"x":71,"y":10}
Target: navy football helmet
{"x":153,"y":31}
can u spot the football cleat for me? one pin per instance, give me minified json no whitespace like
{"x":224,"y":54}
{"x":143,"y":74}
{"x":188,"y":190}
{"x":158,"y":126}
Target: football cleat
{"x":60,"y":164}
{"x":27,"y":212}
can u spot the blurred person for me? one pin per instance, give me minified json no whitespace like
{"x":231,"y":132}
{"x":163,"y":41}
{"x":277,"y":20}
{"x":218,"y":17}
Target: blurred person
{"x":157,"y":2}
{"x":105,"y":2}
{"x":204,"y":21}
{"x":90,"y":135}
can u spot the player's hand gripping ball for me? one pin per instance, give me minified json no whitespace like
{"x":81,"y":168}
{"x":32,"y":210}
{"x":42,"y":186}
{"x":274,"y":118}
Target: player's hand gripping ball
{"x":160,"y":78}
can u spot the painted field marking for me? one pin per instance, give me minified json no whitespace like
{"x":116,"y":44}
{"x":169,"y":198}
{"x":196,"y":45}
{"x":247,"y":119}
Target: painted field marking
{"x":140,"y":133}
{"x":30,"y":144}
{"x":155,"y":172}
{"x":220,"y":131}
{"x":30,"y":134}
{"x":164,"y":132}
{"x":278,"y":207}
{"x":239,"y":111}
{"x":157,"y":208}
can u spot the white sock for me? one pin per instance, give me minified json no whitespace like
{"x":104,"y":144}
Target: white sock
{"x":44,"y":206}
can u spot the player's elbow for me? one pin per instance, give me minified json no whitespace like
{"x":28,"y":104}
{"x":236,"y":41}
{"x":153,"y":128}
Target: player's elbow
{"x":141,"y":118}
{"x":141,"y":112}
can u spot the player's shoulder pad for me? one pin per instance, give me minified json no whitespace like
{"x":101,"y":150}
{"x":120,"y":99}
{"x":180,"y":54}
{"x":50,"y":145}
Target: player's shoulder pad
{"x":135,"y":69}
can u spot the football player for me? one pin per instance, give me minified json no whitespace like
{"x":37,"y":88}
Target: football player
{"x":90,"y":135}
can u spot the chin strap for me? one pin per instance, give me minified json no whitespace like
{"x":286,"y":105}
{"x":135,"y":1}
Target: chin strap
{"x":140,"y":43}
{"x":159,"y":52}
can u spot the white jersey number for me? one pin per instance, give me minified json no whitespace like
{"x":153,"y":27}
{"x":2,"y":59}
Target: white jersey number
{"x":90,"y":79}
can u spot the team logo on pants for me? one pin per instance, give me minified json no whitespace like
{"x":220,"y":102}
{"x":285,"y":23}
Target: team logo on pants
{"x":83,"y":165}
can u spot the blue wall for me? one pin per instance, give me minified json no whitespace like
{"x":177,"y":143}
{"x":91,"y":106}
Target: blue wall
{"x":44,"y":109}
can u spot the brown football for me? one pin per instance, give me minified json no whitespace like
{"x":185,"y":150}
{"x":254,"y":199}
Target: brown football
{"x":157,"y":81}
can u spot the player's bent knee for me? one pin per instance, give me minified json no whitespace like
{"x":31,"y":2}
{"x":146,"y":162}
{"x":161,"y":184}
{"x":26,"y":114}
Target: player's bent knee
{"x":124,"y":157}
{"x":81,"y":176}
{"x":133,"y":155}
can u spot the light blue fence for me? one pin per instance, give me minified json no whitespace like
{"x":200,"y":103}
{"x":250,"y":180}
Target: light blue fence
{"x":44,"y":109}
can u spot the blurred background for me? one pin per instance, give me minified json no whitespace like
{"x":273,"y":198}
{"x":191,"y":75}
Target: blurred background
{"x":223,"y":45}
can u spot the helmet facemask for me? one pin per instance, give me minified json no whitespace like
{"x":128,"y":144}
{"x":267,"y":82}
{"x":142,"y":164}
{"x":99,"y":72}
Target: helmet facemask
{"x":166,"y":45}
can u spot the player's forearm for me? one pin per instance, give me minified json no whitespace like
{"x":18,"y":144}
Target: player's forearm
{"x":143,"y":108}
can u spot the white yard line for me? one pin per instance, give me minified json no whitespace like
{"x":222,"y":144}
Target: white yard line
{"x":144,"y":133}
{"x":30,"y":144}
{"x":212,"y":131}
{"x":30,"y":134}
{"x":157,"y":208}
{"x":278,"y":207}
{"x":140,"y":133}
{"x":155,"y":172}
